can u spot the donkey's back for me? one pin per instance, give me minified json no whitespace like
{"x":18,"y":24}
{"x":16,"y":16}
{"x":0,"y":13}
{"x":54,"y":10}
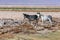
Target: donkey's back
{"x":30,"y":17}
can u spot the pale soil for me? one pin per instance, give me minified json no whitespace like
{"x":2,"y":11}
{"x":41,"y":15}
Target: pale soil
{"x":20,"y":36}
{"x":19,"y":15}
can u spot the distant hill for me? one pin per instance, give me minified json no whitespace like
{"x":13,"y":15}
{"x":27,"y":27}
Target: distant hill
{"x":30,"y":8}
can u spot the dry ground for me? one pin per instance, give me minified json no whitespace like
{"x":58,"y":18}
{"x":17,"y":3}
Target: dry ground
{"x":19,"y":15}
{"x":16,"y":33}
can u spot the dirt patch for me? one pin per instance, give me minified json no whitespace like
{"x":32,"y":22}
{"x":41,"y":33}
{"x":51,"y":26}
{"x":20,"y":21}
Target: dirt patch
{"x":8,"y":32}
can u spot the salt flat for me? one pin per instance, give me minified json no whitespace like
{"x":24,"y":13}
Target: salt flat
{"x":19,"y":15}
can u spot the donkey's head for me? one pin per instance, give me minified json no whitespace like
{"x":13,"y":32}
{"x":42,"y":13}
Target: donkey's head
{"x":39,"y":14}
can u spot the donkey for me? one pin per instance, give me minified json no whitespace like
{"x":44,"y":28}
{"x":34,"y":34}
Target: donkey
{"x":31,"y":18}
{"x":45,"y":18}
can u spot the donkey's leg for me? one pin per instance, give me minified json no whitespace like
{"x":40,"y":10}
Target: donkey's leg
{"x":29,"y":21}
{"x":42,"y":21}
{"x":23,"y":21}
{"x":50,"y":21}
{"x":37,"y":22}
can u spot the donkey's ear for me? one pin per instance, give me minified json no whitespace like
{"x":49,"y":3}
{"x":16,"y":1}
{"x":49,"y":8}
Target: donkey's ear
{"x":38,"y":12}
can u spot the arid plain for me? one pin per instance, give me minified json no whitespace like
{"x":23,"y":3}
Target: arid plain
{"x":55,"y":35}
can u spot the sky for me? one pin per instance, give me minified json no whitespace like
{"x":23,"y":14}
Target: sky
{"x":30,"y":2}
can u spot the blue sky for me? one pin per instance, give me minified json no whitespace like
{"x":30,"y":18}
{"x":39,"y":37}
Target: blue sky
{"x":30,"y":2}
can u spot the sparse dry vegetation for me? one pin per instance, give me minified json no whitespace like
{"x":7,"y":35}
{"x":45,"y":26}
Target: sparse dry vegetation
{"x":24,"y":9}
{"x":27,"y":32}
